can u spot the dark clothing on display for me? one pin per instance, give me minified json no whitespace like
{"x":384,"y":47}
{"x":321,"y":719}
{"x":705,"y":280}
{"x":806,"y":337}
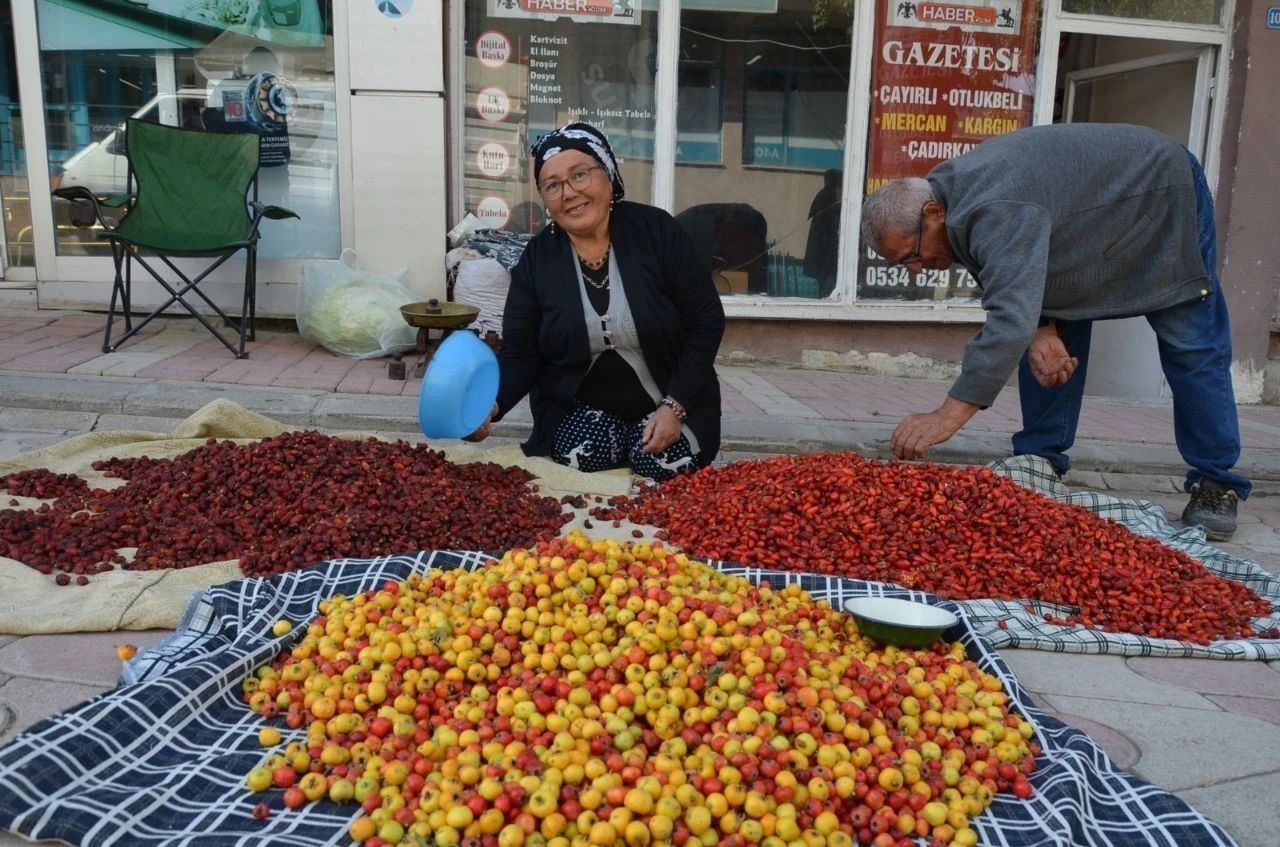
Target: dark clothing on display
{"x":546,"y":352}
{"x":824,"y":234}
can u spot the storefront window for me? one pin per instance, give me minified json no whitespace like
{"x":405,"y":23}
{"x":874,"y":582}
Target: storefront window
{"x":768,"y":215}
{"x":264,"y":66}
{"x":1179,"y":11}
{"x":528,"y":71}
{"x":944,"y":79}
{"x":14,"y":192}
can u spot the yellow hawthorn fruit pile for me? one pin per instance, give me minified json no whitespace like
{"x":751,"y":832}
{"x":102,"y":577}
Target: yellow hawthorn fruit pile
{"x":599,"y":692}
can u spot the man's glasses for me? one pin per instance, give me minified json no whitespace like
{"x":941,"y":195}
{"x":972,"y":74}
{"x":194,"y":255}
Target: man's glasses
{"x":578,"y":179}
{"x":914,"y":255}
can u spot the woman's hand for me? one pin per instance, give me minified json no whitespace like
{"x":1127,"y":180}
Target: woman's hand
{"x":483,"y":431}
{"x":662,"y":430}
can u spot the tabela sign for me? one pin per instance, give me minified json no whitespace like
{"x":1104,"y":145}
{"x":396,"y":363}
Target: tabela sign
{"x":1273,"y":17}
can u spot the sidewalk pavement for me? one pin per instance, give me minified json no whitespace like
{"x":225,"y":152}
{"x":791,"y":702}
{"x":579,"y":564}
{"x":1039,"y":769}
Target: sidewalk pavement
{"x":1200,"y":728}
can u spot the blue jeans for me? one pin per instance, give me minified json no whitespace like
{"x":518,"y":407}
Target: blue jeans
{"x":1195,"y":353}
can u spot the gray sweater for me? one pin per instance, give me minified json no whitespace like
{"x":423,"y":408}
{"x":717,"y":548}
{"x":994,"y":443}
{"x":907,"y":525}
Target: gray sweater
{"x":1070,"y":221}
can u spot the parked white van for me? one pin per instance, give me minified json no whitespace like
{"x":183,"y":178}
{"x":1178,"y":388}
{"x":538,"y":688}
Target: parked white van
{"x":307,"y":110}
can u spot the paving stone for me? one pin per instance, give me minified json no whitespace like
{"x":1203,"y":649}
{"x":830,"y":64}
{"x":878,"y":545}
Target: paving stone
{"x":1259,"y":707}
{"x":15,"y":444}
{"x":1210,"y":676}
{"x":84,"y":658}
{"x":367,"y":412}
{"x":1184,"y":748}
{"x":1121,"y":750}
{"x":1091,"y":480}
{"x":140,"y":423}
{"x":1243,"y":807}
{"x":180,"y":399}
{"x":41,"y":698}
{"x":8,"y":839}
{"x":1154,"y":483}
{"x":54,"y":391}
{"x":46,"y":420}
{"x":1102,"y":677}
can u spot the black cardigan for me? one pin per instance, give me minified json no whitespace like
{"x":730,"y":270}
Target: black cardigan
{"x":679,"y":319}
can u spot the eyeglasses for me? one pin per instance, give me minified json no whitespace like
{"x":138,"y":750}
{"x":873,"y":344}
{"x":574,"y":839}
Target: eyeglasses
{"x":914,"y":255}
{"x":578,"y":179}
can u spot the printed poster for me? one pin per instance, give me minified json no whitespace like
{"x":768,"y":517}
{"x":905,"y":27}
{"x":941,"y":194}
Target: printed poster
{"x":946,"y":77}
{"x":579,"y":11}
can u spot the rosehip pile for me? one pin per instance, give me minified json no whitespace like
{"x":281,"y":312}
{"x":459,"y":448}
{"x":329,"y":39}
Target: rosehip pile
{"x":960,"y":532}
{"x":277,"y":505}
{"x":599,"y":693}
{"x":44,"y":484}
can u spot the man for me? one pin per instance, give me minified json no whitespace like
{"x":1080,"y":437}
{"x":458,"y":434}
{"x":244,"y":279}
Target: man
{"x":1063,"y":225}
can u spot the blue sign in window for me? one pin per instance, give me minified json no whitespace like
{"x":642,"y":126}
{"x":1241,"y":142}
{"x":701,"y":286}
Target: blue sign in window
{"x":1273,"y":17}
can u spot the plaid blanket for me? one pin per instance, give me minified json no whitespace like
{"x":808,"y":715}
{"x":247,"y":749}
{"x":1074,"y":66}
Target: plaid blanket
{"x":1027,"y":629}
{"x":161,"y":760}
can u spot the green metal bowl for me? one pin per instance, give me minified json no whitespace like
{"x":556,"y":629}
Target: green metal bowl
{"x":902,"y":623}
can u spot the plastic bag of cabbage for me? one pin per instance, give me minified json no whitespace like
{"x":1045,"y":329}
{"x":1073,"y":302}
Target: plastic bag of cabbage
{"x":354,"y":313}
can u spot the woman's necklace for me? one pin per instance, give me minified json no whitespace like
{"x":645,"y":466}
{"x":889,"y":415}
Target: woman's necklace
{"x":597,"y":264}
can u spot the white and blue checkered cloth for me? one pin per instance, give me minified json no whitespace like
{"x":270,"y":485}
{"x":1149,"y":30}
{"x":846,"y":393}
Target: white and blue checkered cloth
{"x":161,"y":760}
{"x":1030,"y":629}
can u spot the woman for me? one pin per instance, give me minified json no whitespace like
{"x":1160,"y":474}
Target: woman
{"x":611,"y":324}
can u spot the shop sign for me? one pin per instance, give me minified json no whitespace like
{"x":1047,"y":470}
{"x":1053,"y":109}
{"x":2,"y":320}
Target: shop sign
{"x":492,"y":159}
{"x":493,"y":212}
{"x":946,"y":77}
{"x":965,"y":15}
{"x":751,"y":7}
{"x":493,"y":49}
{"x":579,"y":11}
{"x":493,"y":104}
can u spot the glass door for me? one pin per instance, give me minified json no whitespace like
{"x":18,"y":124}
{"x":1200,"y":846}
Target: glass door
{"x":15,"y":234}
{"x":1167,"y":91}
{"x":1155,"y":83}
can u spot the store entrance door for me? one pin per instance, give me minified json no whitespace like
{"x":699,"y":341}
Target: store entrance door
{"x":1163,"y":85}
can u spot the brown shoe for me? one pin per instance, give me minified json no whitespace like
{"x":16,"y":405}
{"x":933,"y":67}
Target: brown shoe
{"x":1213,"y":507}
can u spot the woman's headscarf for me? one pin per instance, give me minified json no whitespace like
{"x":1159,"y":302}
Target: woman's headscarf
{"x":582,"y":137}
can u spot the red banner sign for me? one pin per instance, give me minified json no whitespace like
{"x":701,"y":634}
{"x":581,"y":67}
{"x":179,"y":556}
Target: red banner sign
{"x":946,"y":77}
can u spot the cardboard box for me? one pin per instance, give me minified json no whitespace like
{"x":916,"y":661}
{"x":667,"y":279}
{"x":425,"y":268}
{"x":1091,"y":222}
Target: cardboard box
{"x":731,"y":282}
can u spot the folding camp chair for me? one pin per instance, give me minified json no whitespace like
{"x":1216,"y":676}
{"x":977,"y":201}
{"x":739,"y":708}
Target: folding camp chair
{"x":190,"y":194}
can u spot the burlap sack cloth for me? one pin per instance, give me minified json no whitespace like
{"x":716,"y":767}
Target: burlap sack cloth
{"x":31,"y":603}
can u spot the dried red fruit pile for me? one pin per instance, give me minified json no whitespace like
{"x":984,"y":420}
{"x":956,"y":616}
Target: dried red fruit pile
{"x":280,"y":504}
{"x":44,"y":484}
{"x":964,"y":533}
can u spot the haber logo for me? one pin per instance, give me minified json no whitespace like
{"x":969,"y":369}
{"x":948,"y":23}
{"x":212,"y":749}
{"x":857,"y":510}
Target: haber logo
{"x":946,"y":13}
{"x":493,"y":159}
{"x":966,"y":15}
{"x":571,"y":7}
{"x":493,"y":104}
{"x":493,"y":212}
{"x":493,"y":49}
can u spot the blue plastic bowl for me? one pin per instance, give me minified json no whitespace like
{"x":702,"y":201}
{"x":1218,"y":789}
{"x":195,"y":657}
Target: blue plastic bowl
{"x":459,"y":387}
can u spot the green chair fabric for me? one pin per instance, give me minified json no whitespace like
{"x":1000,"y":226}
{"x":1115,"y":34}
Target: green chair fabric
{"x":191,"y":193}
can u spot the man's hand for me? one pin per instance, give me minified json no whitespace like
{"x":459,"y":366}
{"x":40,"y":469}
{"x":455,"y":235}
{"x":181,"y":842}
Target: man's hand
{"x":661,"y":431}
{"x":917,"y":433}
{"x":1047,"y":355}
{"x":482,"y":432}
